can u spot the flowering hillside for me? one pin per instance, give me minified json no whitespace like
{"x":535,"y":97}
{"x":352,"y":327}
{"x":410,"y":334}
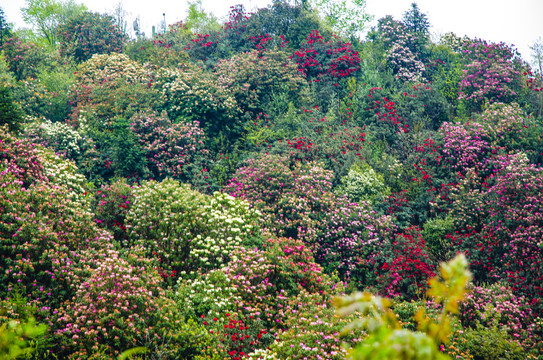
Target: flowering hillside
{"x":272,"y":187}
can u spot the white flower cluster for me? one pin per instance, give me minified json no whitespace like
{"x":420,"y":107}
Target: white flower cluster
{"x":103,"y":68}
{"x":192,"y":90}
{"x":64,"y":173}
{"x":210,"y":293}
{"x":185,"y":226}
{"x":230,"y":222}
{"x":262,"y":354}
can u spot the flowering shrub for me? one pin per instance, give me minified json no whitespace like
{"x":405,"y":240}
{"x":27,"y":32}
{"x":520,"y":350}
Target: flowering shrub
{"x":362,"y":184}
{"x":321,"y":61}
{"x":387,"y":339}
{"x":401,"y":266}
{"x":49,"y":238}
{"x":111,"y":204}
{"x":402,"y":52}
{"x":314,"y":332}
{"x":195,"y":95}
{"x":170,"y":148}
{"x":211,"y":294}
{"x":347,"y":236}
{"x":89,"y":33}
{"x":253,"y":78}
{"x":112,"y":85}
{"x":184,"y":230}
{"x":464,"y":146}
{"x":496,"y":303}
{"x":504,"y":236}
{"x":114,"y":305}
{"x":257,"y":283}
{"x":62,"y":138}
{"x":381,"y":114}
{"x":492,"y":74}
{"x":266,"y":279}
{"x":509,"y":129}
{"x":23,"y":58}
{"x":121,"y":306}
{"x":238,"y":335}
{"x":291,"y":201}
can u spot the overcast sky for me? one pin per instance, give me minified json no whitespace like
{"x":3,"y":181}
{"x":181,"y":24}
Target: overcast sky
{"x":518,"y":22}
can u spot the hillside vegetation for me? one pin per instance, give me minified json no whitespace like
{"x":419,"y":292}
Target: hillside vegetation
{"x":219,"y":190}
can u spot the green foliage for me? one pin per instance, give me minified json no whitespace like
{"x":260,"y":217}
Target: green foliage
{"x":5,"y":27}
{"x":254,"y":78}
{"x":46,"y":16}
{"x":348,"y":19}
{"x":291,"y":21}
{"x":498,"y":344}
{"x":16,"y":338}
{"x":198,"y":21}
{"x":10,"y":113}
{"x":386,"y":339}
{"x":416,"y":21}
{"x":434,"y":232}
{"x":362,"y":184}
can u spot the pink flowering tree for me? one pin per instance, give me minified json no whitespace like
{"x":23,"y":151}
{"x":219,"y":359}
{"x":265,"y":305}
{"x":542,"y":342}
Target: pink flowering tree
{"x":170,"y":148}
{"x":492,"y":73}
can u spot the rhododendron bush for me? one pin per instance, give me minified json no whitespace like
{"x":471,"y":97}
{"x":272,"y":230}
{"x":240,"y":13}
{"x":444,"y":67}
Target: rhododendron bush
{"x":183,"y":230}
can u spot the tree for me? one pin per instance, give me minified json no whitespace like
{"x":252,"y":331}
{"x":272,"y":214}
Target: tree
{"x":347,"y":18}
{"x":198,"y":21}
{"x":292,"y":22}
{"x":416,"y":21}
{"x":537,"y":56}
{"x":90,"y":33}
{"x":10,"y":113}
{"x":48,"y":15}
{"x":5,"y":27}
{"x":119,"y":14}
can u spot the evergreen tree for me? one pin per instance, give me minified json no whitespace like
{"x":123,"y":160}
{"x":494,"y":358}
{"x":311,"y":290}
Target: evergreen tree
{"x":5,"y":27}
{"x":416,"y":21}
{"x":10,"y":113}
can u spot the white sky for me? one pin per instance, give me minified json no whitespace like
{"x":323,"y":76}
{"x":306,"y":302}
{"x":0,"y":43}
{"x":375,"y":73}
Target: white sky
{"x":518,"y":22}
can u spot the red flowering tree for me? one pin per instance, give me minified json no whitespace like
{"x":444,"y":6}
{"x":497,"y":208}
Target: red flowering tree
{"x":403,"y":266}
{"x":329,"y":61}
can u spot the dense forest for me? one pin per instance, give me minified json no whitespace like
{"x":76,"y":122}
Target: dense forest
{"x":281,"y":185}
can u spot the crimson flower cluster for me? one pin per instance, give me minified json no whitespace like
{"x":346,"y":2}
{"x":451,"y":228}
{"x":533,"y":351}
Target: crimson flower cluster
{"x":326,"y":61}
{"x":384,"y":110}
{"x":239,"y":335}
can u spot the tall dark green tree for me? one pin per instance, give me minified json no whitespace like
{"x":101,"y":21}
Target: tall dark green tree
{"x":5,"y":27}
{"x":416,"y":21}
{"x":10,"y":113}
{"x":293,"y":22}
